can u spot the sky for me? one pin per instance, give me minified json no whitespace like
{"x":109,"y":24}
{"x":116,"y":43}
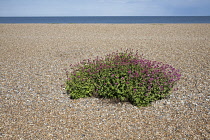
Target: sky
{"x":13,"y":8}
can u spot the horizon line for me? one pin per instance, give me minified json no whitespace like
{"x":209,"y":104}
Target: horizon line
{"x":108,"y":16}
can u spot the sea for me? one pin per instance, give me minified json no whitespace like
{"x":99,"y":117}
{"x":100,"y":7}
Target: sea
{"x":108,"y":19}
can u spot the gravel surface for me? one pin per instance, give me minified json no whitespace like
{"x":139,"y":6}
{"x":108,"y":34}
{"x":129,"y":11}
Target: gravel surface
{"x":33,"y":104}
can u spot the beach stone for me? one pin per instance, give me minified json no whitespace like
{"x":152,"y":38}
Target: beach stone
{"x":32,"y":103}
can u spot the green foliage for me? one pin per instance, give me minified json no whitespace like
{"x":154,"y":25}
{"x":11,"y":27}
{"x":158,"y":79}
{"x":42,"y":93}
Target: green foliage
{"x":124,"y":76}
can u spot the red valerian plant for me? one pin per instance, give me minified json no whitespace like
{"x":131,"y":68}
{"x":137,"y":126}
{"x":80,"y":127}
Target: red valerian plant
{"x":125,"y":76}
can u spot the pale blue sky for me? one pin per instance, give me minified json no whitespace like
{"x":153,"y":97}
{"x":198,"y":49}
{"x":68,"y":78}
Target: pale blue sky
{"x":104,"y":8}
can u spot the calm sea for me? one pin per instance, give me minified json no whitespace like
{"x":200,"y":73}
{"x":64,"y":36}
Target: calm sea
{"x":109,"y":19}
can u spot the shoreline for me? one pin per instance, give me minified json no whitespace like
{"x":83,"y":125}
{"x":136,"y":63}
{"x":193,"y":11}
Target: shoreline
{"x":33,"y":105}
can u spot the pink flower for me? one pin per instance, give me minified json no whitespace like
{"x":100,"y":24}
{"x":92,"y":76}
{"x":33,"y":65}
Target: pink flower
{"x":151,"y":79}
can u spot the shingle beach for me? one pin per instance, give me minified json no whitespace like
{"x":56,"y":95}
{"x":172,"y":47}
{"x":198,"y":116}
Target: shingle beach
{"x":33,"y":105}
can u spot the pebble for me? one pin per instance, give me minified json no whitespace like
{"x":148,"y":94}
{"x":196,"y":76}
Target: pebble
{"x":32,"y":103}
